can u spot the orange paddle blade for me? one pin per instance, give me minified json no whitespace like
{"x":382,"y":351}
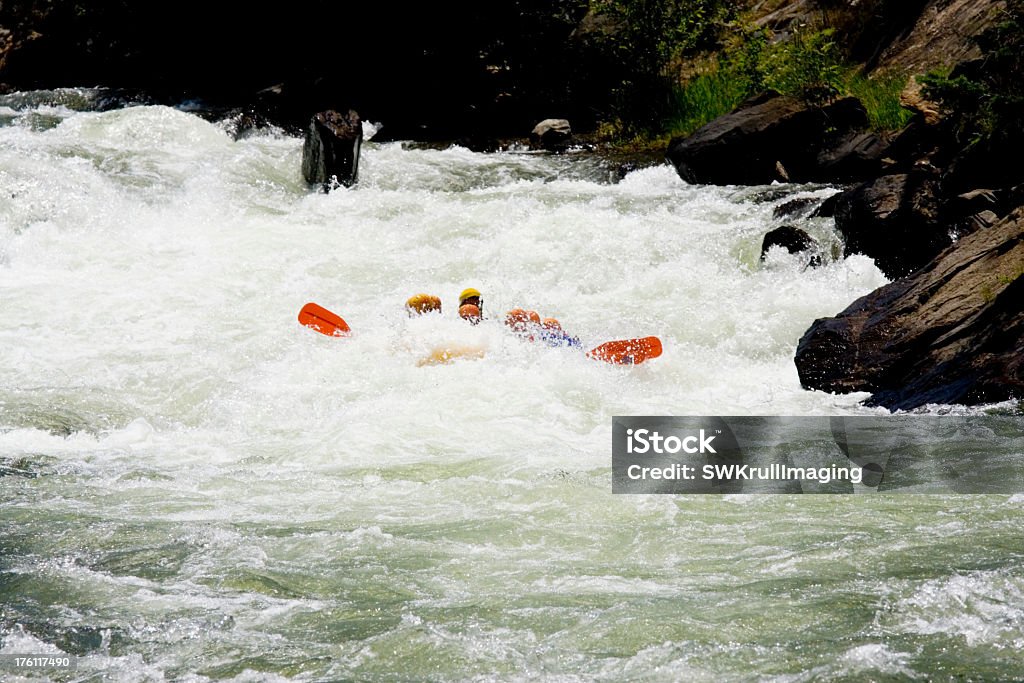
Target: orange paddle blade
{"x":627,"y":351}
{"x":323,"y":321}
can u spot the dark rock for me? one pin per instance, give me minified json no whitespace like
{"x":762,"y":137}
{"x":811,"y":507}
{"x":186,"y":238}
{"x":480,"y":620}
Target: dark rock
{"x":241,"y":124}
{"x":918,"y":140}
{"x":625,"y":168}
{"x":973,"y":202}
{"x":990,"y":163}
{"x":1015,"y":196}
{"x":331,"y":151}
{"x":794,"y":206}
{"x":894,"y":220}
{"x":479,"y":143}
{"x":856,"y":156}
{"x":551,"y":134}
{"x":972,"y":211}
{"x":827,"y":209}
{"x":771,"y":136}
{"x":953,"y":332}
{"x":793,"y":240}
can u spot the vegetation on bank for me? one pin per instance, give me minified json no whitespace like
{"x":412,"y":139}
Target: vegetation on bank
{"x":735,"y":59}
{"x":690,"y":61}
{"x":808,"y":66}
{"x":983,"y":102}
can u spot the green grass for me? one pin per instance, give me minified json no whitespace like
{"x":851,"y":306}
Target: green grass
{"x":713,"y":94}
{"x":881,"y":98}
{"x":804,"y":66}
{"x":702,"y":100}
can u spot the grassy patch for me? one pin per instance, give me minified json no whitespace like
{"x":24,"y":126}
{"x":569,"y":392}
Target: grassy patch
{"x":881,"y":98}
{"x":702,"y":100}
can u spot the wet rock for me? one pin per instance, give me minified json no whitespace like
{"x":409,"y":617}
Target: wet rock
{"x":794,"y":207}
{"x":827,"y":209}
{"x":894,"y":220}
{"x":331,"y":150}
{"x":792,"y":239}
{"x":953,"y":332}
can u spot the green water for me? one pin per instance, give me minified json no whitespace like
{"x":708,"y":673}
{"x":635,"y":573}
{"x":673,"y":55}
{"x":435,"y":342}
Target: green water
{"x":193,"y":487}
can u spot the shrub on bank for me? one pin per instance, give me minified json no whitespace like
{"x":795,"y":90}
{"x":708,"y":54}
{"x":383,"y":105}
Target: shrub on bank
{"x":983,"y":102}
{"x":809,"y":65}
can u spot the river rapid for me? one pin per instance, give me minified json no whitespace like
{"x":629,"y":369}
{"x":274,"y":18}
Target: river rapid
{"x":195,"y":487}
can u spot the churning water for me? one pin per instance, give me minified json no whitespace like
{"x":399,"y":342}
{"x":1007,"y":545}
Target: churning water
{"x":196,"y":487}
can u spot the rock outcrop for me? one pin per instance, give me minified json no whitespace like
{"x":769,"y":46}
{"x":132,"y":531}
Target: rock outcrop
{"x":331,"y":150}
{"x":941,"y":37}
{"x":908,"y":36}
{"x":953,"y":332}
{"x":771,"y":137}
{"x":894,"y":220}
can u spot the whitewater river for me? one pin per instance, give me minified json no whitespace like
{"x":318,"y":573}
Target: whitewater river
{"x":196,"y":487}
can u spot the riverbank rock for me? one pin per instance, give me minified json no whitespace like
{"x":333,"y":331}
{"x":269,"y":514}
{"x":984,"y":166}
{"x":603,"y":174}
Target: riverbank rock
{"x":941,"y":36}
{"x":331,"y":150}
{"x":551,"y":134}
{"x":894,"y":220}
{"x":771,"y":137}
{"x":909,"y":36}
{"x":951,"y":333}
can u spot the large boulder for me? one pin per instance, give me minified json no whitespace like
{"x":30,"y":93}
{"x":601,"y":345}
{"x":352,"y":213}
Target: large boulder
{"x":551,"y":134}
{"x":771,"y":137}
{"x":894,"y":220}
{"x":331,"y":150}
{"x":951,"y":333}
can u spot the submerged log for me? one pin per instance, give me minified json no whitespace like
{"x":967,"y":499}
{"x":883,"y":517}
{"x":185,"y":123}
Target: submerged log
{"x":953,"y":332}
{"x":331,"y":151}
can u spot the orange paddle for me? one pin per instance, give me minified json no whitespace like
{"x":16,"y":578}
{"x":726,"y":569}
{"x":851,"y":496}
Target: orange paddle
{"x":323,"y":321}
{"x":627,"y":351}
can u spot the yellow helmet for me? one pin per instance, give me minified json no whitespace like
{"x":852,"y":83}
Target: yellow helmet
{"x":423,"y":303}
{"x":468,"y":293}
